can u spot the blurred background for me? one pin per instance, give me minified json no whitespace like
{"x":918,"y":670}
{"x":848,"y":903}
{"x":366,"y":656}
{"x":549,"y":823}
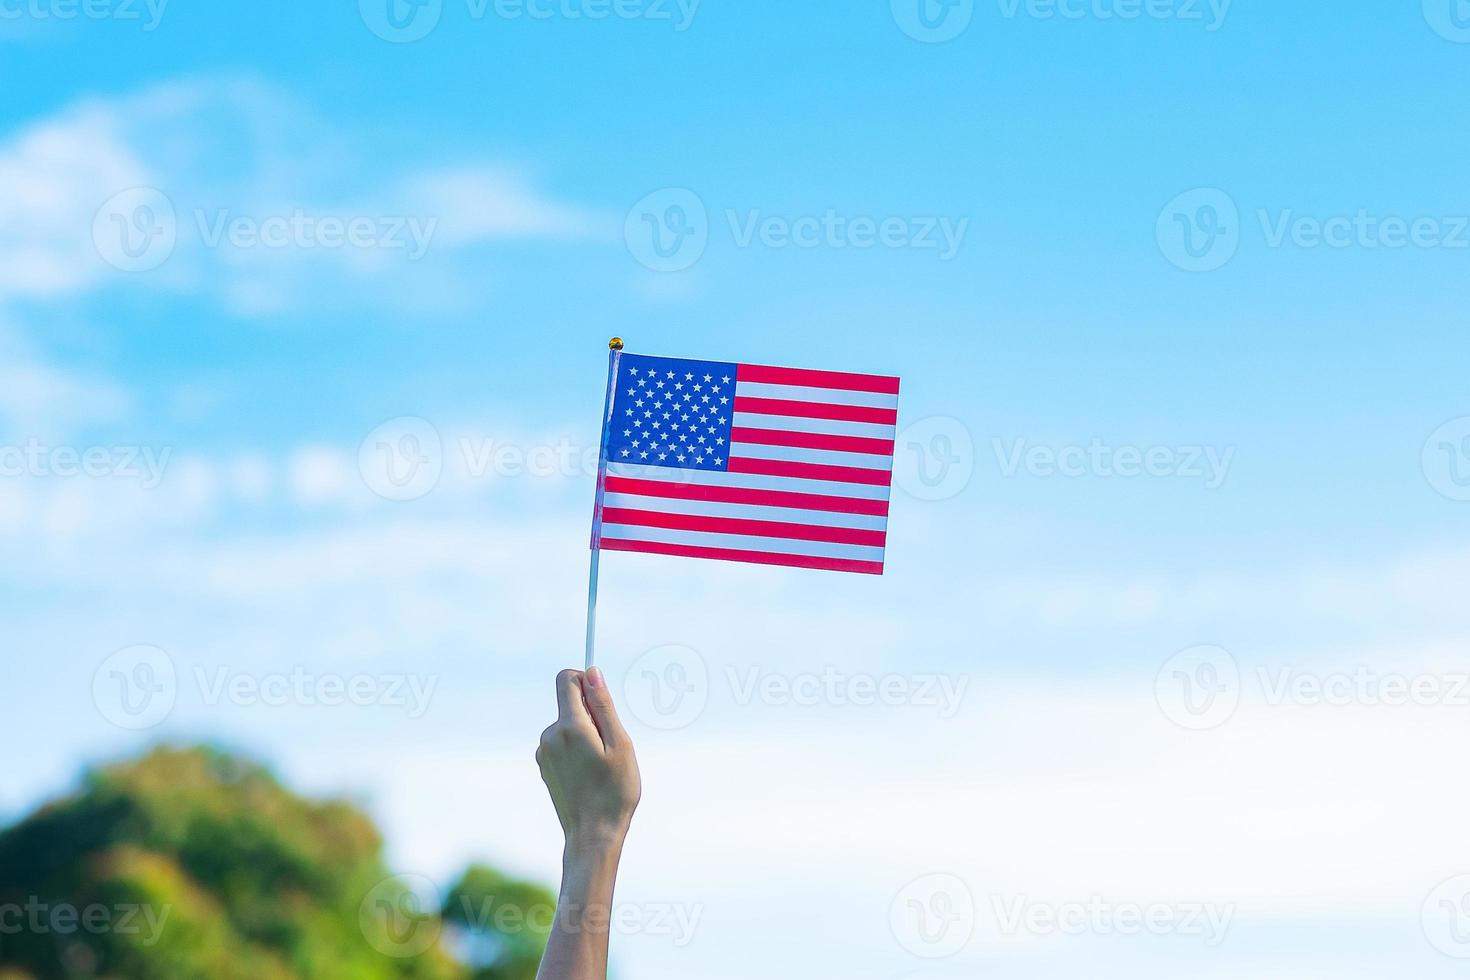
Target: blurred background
{"x":303,"y":325}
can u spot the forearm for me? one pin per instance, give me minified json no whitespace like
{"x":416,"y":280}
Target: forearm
{"x":587,"y":761}
{"x":577,"y":946}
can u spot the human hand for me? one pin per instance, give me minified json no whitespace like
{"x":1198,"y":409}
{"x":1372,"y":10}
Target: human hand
{"x":588,"y":764}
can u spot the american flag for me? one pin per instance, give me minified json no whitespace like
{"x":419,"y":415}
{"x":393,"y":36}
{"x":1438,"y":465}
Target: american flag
{"x":779,"y":466}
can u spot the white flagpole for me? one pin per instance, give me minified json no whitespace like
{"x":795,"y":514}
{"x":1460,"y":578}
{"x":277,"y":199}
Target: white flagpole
{"x":615,"y":349}
{"x":592,"y":607}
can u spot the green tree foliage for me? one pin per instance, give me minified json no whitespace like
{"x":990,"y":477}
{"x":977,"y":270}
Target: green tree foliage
{"x":194,"y":863}
{"x":503,"y":923}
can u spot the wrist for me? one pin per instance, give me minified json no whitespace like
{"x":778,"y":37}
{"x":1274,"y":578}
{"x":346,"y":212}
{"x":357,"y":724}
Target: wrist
{"x":594,"y":844}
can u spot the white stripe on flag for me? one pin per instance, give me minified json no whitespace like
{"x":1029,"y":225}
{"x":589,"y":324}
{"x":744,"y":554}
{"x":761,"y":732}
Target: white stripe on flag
{"x":822,"y":396}
{"x":749,"y":481}
{"x":827,"y":457}
{"x":742,"y":542}
{"x":750,"y":512}
{"x":829,"y":427}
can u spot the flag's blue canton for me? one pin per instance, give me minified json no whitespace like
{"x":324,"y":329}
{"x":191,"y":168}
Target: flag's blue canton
{"x":672,"y":412}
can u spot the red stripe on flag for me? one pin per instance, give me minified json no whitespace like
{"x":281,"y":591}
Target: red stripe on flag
{"x":816,"y":379}
{"x":811,"y":440}
{"x":816,"y":410}
{"x":755,"y":557}
{"x":741,"y":525}
{"x":810,"y":471}
{"x":742,"y":495}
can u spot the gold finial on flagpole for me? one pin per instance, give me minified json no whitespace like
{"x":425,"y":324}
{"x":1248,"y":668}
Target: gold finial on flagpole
{"x":615,"y":344}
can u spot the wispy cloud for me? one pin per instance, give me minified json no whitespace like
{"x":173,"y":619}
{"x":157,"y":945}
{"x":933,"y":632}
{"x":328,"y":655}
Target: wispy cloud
{"x":487,"y":203}
{"x":205,"y":186}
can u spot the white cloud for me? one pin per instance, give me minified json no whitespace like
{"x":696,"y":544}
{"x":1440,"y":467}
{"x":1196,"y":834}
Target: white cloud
{"x":321,"y":475}
{"x":228,"y":153}
{"x":480,"y":204}
{"x":45,"y":402}
{"x":54,"y":175}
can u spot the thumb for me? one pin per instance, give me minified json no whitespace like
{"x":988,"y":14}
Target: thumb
{"x":600,"y":705}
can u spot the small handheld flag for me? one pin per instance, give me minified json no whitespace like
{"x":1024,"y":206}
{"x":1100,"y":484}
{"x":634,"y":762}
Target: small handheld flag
{"x":739,"y":462}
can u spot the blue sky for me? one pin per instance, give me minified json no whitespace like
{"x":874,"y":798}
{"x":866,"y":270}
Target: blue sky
{"x":1065,"y":154}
